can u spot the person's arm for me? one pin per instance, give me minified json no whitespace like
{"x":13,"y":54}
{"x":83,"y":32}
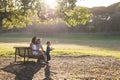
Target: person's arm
{"x":30,"y":45}
{"x":51,"y":49}
{"x":42,"y":48}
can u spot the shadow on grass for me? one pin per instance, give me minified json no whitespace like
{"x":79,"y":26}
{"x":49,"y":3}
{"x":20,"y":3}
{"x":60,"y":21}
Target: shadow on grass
{"x":23,"y":71}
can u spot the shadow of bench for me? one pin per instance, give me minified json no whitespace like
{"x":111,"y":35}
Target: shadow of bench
{"x":23,"y":71}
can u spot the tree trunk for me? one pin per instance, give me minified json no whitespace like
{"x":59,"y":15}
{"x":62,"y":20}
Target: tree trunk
{"x":0,"y":25}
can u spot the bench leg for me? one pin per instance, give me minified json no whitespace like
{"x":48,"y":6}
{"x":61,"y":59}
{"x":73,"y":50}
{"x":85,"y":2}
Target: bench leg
{"x":15,"y":54}
{"x":24,"y":59}
{"x":15,"y":57}
{"x":24,"y":54}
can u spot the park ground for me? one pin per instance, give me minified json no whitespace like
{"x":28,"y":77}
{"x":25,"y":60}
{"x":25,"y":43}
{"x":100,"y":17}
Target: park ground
{"x":76,"y":57}
{"x":62,"y":68}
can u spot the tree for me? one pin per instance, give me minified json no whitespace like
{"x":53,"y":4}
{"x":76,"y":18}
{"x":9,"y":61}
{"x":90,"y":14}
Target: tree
{"x":106,"y":19}
{"x":16,"y":13}
{"x":79,"y":15}
{"x":71,"y":14}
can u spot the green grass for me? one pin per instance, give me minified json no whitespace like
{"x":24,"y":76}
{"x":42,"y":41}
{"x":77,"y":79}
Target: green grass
{"x":66,"y":44}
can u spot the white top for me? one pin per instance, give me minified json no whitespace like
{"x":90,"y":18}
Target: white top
{"x":34,"y":48}
{"x":39,"y":46}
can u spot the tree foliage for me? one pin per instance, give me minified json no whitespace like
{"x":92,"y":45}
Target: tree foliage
{"x":104,"y":19}
{"x":17,"y":13}
{"x":14,"y":13}
{"x":71,"y":14}
{"x":108,"y":18}
{"x":79,"y":15}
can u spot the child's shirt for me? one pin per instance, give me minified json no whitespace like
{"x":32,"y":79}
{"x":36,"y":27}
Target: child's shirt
{"x":48,"y":49}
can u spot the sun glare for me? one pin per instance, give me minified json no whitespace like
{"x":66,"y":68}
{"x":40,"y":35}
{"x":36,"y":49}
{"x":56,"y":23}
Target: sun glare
{"x":51,"y":3}
{"x":95,"y":3}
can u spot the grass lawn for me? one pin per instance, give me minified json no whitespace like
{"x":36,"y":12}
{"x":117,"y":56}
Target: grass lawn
{"x":65,"y":44}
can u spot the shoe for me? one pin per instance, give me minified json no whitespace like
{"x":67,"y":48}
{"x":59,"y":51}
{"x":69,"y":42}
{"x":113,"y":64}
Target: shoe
{"x":44,"y":63}
{"x":47,"y":62}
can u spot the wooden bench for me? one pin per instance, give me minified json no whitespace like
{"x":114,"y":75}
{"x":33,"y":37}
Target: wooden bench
{"x":25,"y":52}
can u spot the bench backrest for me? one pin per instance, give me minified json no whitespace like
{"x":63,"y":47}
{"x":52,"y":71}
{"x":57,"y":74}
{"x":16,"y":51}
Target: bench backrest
{"x":24,"y":51}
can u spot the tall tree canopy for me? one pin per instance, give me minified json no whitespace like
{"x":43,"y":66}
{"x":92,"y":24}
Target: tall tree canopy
{"x":17,"y":13}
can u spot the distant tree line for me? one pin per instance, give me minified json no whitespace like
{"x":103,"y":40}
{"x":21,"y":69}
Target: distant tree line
{"x":104,"y":19}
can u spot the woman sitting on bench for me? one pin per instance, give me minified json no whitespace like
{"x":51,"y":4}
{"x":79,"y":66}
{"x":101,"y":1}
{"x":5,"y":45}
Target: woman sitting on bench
{"x":36,"y":51}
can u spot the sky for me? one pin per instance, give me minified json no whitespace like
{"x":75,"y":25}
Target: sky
{"x":96,"y":3}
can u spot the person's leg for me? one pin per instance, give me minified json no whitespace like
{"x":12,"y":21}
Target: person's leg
{"x":38,"y":59}
{"x":39,"y":56}
{"x":45,"y":57}
{"x":48,"y":57}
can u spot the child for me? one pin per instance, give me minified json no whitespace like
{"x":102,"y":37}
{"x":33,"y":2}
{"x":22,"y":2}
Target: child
{"x":39,"y":45}
{"x":48,"y":49}
{"x":40,"y":49}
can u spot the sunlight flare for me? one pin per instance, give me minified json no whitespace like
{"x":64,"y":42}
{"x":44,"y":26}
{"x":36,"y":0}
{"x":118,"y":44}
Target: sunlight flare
{"x":51,"y":3}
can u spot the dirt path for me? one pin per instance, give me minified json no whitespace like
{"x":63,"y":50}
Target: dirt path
{"x":62,"y":68}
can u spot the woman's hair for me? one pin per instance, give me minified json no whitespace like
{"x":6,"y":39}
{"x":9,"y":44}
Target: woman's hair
{"x":34,"y":39}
